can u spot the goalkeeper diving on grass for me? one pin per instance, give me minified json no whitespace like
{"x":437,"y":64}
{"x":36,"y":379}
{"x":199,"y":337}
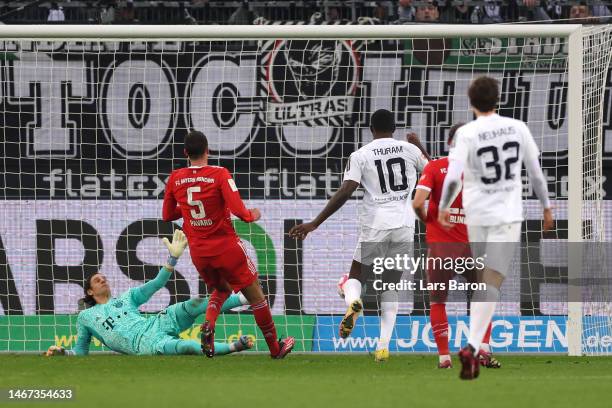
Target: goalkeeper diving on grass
{"x":119,"y":325}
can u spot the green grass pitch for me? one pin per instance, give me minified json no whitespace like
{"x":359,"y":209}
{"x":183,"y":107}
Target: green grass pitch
{"x":313,"y":381}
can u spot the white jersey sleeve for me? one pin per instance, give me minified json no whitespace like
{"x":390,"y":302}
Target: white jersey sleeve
{"x":460,"y":148}
{"x":353,"y":168}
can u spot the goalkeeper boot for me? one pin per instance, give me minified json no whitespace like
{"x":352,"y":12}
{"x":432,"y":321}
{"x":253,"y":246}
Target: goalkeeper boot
{"x":487,"y":360}
{"x":382,"y":355}
{"x":285,"y":345}
{"x":208,"y":339}
{"x":243,"y":343}
{"x":470,"y":367}
{"x":350,"y":318}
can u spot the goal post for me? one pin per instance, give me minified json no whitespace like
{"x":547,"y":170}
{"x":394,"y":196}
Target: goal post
{"x":94,"y":119}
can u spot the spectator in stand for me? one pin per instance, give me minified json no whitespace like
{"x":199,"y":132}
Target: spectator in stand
{"x":601,"y":12}
{"x":56,"y":13}
{"x":186,"y":16}
{"x":459,"y":14}
{"x":333,"y":14}
{"x":489,"y":13}
{"x":381,"y":12}
{"x":127,"y":15}
{"x":107,"y":14}
{"x":405,"y":11}
{"x":581,"y":14}
{"x":530,"y":10}
{"x":242,"y":15}
{"x":427,"y":12}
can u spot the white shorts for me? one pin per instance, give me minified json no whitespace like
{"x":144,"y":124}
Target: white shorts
{"x":497,"y":244}
{"x":374,"y":243}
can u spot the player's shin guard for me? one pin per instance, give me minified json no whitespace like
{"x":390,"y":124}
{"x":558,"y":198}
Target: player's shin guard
{"x":388,"y":309}
{"x":215,"y":303}
{"x":263,"y":318}
{"x":481,"y":313}
{"x":439,"y":327}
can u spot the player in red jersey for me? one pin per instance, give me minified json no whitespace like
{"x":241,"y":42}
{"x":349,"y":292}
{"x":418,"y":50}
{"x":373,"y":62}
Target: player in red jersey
{"x":443,"y":243}
{"x":204,"y":196}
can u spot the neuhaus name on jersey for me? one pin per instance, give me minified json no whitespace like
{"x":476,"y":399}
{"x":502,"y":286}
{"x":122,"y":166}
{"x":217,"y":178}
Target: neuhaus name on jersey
{"x":492,"y":134}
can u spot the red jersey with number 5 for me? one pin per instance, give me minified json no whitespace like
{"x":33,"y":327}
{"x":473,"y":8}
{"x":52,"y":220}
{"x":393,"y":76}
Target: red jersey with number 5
{"x":204,"y":197}
{"x":432,"y":180}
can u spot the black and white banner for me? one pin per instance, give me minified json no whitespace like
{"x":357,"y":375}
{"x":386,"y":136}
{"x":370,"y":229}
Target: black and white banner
{"x":107,"y":120}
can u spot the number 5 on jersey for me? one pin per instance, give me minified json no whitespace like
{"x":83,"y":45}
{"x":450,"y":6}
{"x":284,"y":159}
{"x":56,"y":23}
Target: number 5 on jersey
{"x":199,"y":213}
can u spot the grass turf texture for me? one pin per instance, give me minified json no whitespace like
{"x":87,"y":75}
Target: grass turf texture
{"x":311,"y":381}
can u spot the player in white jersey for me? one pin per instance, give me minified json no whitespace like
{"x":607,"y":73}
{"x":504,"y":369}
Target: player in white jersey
{"x":387,"y":169}
{"x":490,"y":151}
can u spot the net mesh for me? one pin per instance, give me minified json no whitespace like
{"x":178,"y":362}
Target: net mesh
{"x":92,"y":130}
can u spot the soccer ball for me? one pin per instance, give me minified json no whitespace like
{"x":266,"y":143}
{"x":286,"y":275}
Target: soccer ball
{"x":341,"y":283}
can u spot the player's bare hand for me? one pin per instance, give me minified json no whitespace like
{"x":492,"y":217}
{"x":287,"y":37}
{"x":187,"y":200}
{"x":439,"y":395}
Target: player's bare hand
{"x":178,"y":244}
{"x":255,"y":213}
{"x":302,"y":230}
{"x":444,"y":219}
{"x":413,"y":138}
{"x":548,"y":219}
{"x":55,"y":351}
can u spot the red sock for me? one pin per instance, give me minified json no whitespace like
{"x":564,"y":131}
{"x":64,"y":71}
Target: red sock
{"x":215,"y":302}
{"x":487,"y":336}
{"x":263,"y":317}
{"x":439,"y":327}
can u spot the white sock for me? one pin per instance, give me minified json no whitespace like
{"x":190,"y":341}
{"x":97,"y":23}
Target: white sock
{"x":485,"y":347}
{"x":352,"y":291}
{"x":444,"y":357}
{"x":388,"y":308}
{"x":481,"y":313}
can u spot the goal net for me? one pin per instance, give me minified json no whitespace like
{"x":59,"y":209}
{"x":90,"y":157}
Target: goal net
{"x":92,"y":127}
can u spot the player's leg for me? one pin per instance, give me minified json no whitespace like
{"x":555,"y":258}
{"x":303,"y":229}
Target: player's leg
{"x":499,"y":246}
{"x":185,"y":313}
{"x":352,"y":297}
{"x":485,"y":356}
{"x":241,"y":273}
{"x":185,"y":346}
{"x":221,"y":291}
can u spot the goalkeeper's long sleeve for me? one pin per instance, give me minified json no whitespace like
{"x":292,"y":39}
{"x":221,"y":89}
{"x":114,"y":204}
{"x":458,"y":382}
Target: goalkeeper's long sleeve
{"x":83,"y":340}
{"x":142,"y":294}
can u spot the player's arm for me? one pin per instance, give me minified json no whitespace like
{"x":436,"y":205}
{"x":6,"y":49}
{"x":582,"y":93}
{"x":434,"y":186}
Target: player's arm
{"x":170,"y":210}
{"x":142,"y":294}
{"x":82,"y":345}
{"x":352,"y":178}
{"x":422,"y":191}
{"x":413,"y":138}
{"x":340,"y":197}
{"x":536,"y":178}
{"x":452,"y":182}
{"x":231,"y":195}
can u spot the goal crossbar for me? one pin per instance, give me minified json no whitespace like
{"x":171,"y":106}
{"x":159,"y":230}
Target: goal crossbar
{"x":263,"y":32}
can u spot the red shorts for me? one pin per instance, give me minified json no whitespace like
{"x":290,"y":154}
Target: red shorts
{"x":233,"y":266}
{"x":444,"y":271}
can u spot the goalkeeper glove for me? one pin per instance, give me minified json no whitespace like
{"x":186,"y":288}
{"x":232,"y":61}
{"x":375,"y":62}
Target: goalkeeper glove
{"x":178,"y":244}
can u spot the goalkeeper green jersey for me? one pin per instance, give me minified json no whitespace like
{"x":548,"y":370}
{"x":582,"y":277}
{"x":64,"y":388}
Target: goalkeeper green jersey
{"x":118,"y":323}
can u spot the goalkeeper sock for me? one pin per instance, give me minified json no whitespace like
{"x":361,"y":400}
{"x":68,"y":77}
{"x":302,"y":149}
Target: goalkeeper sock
{"x":214,"y":306}
{"x":263,"y":318}
{"x":388,"y":308}
{"x":486,"y":339}
{"x":352,"y":291}
{"x":439,"y":327}
{"x":481,"y":313}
